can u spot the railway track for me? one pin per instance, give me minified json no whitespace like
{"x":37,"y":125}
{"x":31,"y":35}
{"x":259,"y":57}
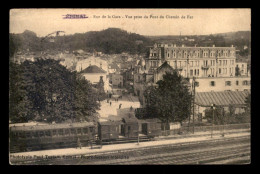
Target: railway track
{"x":188,"y":157}
{"x":182,"y":153}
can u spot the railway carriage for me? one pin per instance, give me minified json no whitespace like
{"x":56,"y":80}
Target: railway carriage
{"x":109,"y":130}
{"x":130,"y":128}
{"x":26,"y":138}
{"x":150,"y":127}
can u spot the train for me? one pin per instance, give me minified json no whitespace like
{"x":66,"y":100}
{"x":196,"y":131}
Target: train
{"x":64,"y":135}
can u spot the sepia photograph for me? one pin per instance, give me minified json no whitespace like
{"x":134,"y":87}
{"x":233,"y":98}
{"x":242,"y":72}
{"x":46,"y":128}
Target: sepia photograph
{"x":122,"y":86}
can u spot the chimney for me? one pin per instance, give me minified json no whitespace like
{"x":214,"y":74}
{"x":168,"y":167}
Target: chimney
{"x":182,"y":45}
{"x":195,"y":45}
{"x":174,"y":45}
{"x":232,"y":46}
{"x":213,"y":46}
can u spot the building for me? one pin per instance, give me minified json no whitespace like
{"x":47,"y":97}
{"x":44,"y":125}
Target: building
{"x":97,"y":61}
{"x":215,"y":84}
{"x":242,"y":68}
{"x":214,"y":68}
{"x":112,"y":68}
{"x":94,"y":74}
{"x":117,"y":80}
{"x":194,"y":61}
{"x":203,"y":101}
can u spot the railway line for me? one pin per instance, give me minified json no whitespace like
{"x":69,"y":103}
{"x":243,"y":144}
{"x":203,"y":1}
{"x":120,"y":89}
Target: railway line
{"x":200,"y":152}
{"x":193,"y":157}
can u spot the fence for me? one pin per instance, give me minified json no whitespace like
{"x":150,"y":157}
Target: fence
{"x":185,"y":130}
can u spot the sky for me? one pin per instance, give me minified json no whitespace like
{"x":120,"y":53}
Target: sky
{"x":174,"y":21}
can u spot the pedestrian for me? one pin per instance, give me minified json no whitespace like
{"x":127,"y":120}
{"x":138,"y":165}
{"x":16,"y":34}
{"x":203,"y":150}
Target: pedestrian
{"x":78,"y":143}
{"x":120,"y":106}
{"x":110,"y":103}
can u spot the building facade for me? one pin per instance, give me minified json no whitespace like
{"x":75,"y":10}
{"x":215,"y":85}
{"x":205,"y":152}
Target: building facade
{"x":117,"y":80}
{"x":194,"y":61}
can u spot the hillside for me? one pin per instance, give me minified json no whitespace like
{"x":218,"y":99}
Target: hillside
{"x":109,"y":41}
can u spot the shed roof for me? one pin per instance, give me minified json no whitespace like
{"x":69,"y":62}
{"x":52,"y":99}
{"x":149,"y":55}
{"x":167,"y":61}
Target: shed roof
{"x":223,"y":98}
{"x":130,"y":119}
{"x":110,"y":122}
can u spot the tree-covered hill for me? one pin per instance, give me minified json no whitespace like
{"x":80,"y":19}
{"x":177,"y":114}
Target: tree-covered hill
{"x":109,"y":41}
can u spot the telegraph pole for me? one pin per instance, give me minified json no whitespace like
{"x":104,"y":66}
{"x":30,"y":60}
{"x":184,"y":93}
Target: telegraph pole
{"x":193,"y":101}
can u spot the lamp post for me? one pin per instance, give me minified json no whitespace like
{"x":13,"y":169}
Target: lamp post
{"x":212,"y":127}
{"x":138,"y":138}
{"x":193,"y":107}
{"x":223,"y":112}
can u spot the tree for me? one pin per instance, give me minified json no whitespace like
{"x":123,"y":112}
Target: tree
{"x":45,"y":90}
{"x":170,"y":101}
{"x":237,"y":71}
{"x":85,"y":101}
{"x":248,"y":103}
{"x":19,"y":104}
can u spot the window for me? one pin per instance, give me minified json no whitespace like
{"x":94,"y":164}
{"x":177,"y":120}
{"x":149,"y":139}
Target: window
{"x":191,"y":72}
{"x":195,"y":72}
{"x":237,"y":83}
{"x":85,"y":130}
{"x":41,"y":134}
{"x":198,"y":72}
{"x":35,"y":134}
{"x":60,"y":131}
{"x":79,"y":131}
{"x":47,"y":133}
{"x":54,"y":132}
{"x":245,"y":82}
{"x":219,"y":70}
{"x":72,"y":131}
{"x":228,"y":83}
{"x":191,"y":63}
{"x":212,"y":83}
{"x":21,"y":134}
{"x":220,"y":62}
{"x":91,"y":129}
{"x":28,"y":134}
{"x":67,"y":132}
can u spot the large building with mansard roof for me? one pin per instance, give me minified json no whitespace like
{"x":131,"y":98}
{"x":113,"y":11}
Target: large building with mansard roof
{"x":195,"y":61}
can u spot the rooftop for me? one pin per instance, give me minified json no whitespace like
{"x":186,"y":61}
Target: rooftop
{"x":51,"y":126}
{"x":223,"y":98}
{"x":93,"y":69}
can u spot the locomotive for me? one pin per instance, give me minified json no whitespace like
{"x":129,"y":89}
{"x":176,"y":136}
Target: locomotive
{"x":65,"y":135}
